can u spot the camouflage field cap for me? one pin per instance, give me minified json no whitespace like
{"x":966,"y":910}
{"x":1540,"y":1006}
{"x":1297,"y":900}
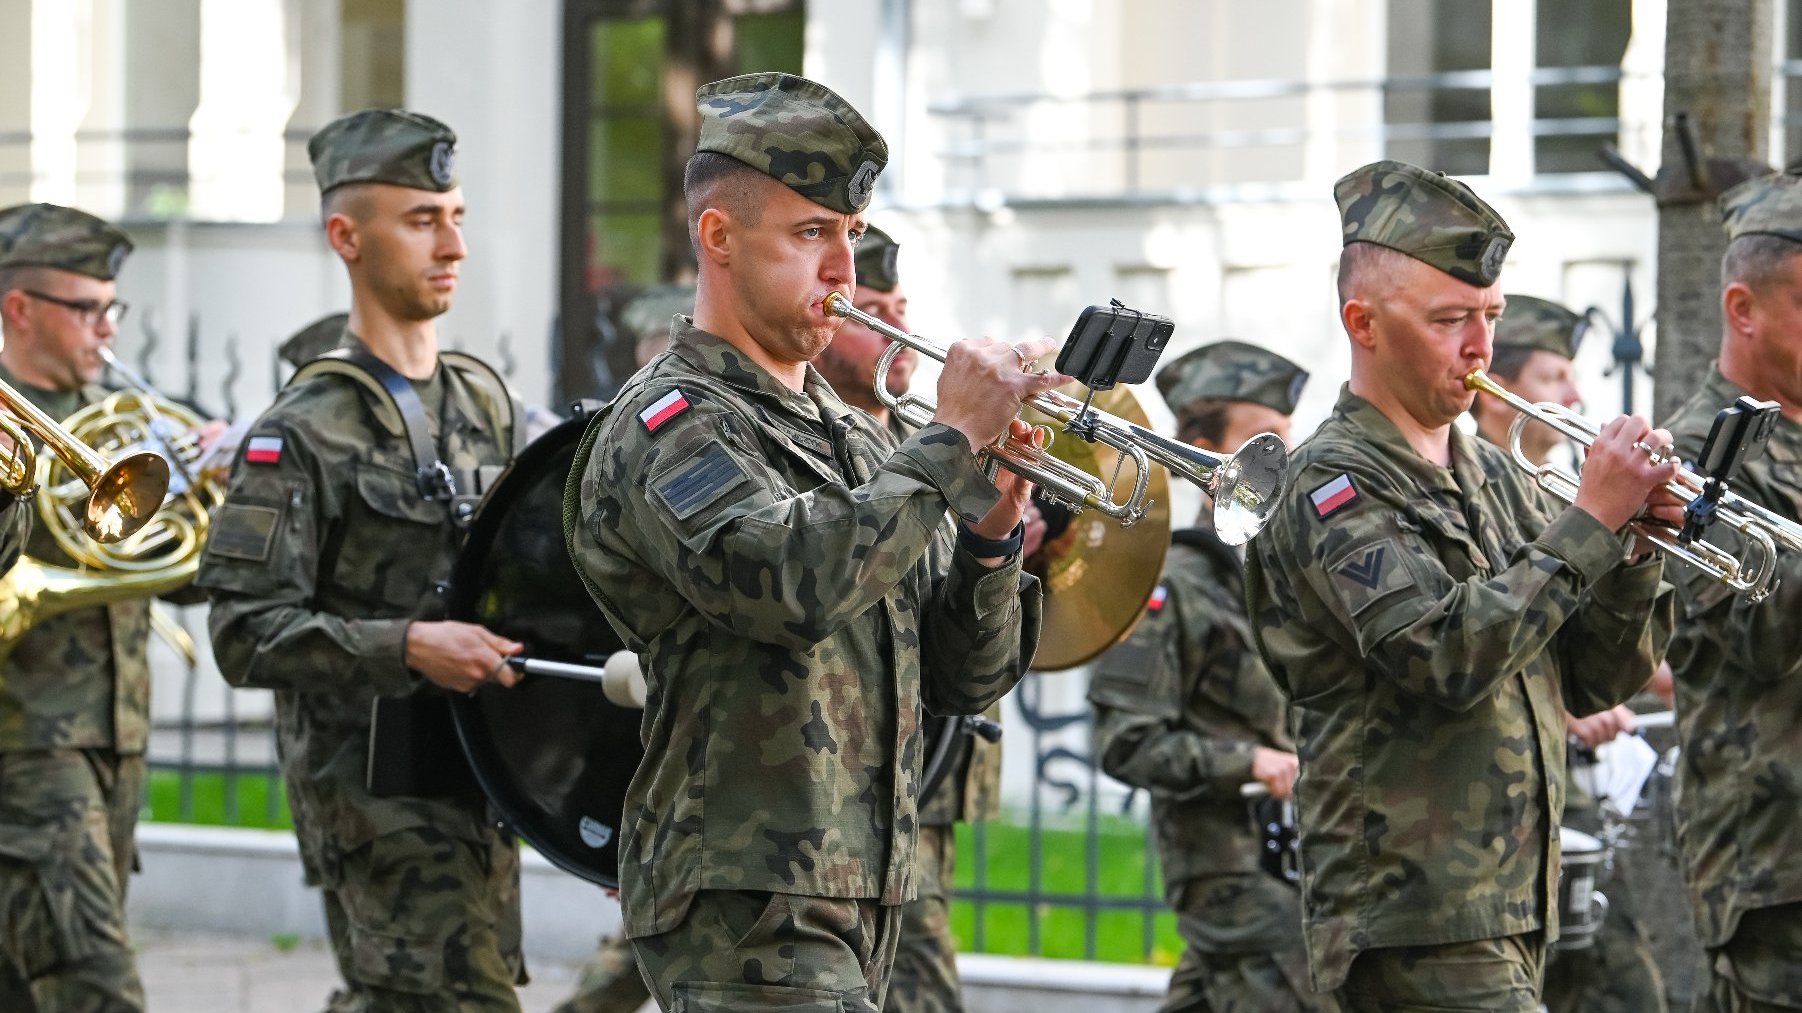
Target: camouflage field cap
{"x":1769,"y":205}
{"x":876,"y":257}
{"x":1540,"y":324}
{"x":385,"y":146}
{"x":1232,"y":371}
{"x":798,"y":131}
{"x":49,"y":235}
{"x":314,"y":340}
{"x":1426,"y":215}
{"x":650,"y":311}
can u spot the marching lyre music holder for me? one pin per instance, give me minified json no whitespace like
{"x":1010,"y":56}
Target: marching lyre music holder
{"x":1739,"y":434}
{"x":1108,"y":346}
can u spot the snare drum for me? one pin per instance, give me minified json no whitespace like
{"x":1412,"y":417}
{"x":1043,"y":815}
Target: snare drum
{"x":1581,"y":907}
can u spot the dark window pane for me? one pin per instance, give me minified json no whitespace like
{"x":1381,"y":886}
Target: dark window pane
{"x":1578,"y":33}
{"x":769,"y":41}
{"x":1435,"y":125}
{"x":623,"y":162}
{"x":623,"y":248}
{"x":628,"y":63}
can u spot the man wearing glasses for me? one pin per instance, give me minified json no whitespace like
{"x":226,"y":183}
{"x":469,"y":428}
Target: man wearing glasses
{"x":75,"y":689}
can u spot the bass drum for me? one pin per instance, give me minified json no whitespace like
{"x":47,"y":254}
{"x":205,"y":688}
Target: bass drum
{"x":553,"y":755}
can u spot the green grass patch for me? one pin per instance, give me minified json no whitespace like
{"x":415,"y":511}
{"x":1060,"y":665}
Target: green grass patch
{"x":218,"y":800}
{"x":1064,"y":868}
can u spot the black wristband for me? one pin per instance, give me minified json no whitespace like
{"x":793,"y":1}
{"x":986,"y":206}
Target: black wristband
{"x":989,"y":548}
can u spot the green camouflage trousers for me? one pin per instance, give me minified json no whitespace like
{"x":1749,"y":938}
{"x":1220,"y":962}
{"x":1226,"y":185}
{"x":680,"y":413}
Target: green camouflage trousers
{"x":1482,"y":976}
{"x":743,"y":950}
{"x":1616,"y":974}
{"x":422,"y":922}
{"x":1760,"y":968}
{"x":925,"y":976}
{"x":610,"y":982}
{"x":1242,"y":948}
{"x":67,"y":819}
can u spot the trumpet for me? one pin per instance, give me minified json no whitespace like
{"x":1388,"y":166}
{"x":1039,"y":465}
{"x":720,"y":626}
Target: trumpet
{"x":121,"y":496}
{"x":1243,"y":487}
{"x":1751,"y":572}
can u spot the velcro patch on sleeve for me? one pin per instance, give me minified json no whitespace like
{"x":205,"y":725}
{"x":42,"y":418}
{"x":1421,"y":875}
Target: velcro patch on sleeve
{"x":244,"y":532}
{"x":263,"y":450}
{"x":663,"y":409}
{"x":1334,"y":496}
{"x":1159,"y":595}
{"x":699,"y":481}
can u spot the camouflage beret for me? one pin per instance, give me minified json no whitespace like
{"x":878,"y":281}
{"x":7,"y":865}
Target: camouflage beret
{"x":1426,"y":215}
{"x":49,"y":235}
{"x":876,"y":256}
{"x":385,"y":146}
{"x":1232,"y":371}
{"x":797,"y":131}
{"x":314,"y":340}
{"x":649,"y":312}
{"x":1769,"y":206}
{"x":1540,"y":324}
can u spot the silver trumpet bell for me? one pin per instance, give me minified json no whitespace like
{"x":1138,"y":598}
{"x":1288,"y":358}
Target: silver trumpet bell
{"x":1244,"y":487}
{"x":1752,"y":572}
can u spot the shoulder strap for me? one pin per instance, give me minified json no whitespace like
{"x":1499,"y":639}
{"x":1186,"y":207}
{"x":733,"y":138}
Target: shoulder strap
{"x":397,"y":407}
{"x":507,"y":411}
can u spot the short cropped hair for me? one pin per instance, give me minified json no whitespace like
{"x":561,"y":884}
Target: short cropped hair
{"x":1755,"y":259}
{"x":1366,"y":270}
{"x":719,"y":181}
{"x":350,"y":200}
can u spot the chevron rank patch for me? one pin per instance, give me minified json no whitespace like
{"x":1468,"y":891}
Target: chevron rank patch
{"x":263,"y":450}
{"x":663,"y":409}
{"x":1334,"y":496}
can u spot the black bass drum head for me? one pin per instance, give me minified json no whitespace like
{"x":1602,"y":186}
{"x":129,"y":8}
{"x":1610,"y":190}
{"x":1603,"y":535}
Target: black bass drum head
{"x":553,"y":755}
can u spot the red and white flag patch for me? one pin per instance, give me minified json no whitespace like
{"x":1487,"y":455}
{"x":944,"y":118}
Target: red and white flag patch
{"x":263,"y":450}
{"x":1158,"y":597}
{"x":1334,"y":496}
{"x":663,"y":409}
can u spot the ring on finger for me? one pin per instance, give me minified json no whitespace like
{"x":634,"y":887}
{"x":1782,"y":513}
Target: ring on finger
{"x":1024,"y":361}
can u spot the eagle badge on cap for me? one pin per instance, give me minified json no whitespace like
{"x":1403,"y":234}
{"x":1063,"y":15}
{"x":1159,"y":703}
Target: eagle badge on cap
{"x":863,"y":181}
{"x":443,"y":162}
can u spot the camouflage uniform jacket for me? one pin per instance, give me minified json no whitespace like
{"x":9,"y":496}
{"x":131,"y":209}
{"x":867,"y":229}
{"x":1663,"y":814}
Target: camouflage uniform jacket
{"x":1739,"y":700}
{"x":971,"y":790}
{"x":78,"y":680}
{"x":317,"y":563}
{"x":1181,"y":704}
{"x":1430,"y":631}
{"x":770,"y":568}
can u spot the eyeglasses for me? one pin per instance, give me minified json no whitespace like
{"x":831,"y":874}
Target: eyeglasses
{"x":87,"y":310}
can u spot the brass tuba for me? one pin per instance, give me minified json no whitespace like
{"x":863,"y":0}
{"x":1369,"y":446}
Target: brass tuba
{"x":160,"y":554}
{"x":140,"y":421}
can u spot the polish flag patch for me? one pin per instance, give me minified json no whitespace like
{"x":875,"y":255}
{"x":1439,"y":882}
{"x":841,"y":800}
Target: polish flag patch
{"x":1158,"y":596}
{"x":263,"y":450}
{"x":663,"y":409}
{"x":1334,"y":496}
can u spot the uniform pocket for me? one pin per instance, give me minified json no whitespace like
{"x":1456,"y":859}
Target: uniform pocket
{"x":393,"y":543}
{"x":715,"y":997}
{"x":393,"y":961}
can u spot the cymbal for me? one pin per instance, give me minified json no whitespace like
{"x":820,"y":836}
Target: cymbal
{"x":1098,"y":575}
